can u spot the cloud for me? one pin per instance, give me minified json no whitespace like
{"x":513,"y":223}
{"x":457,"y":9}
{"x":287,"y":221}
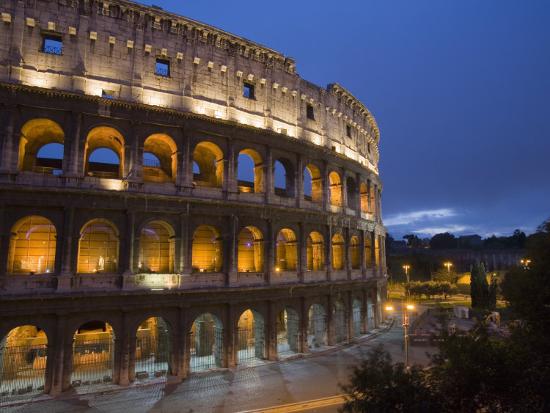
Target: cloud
{"x":408,"y":218}
{"x":438,"y":230}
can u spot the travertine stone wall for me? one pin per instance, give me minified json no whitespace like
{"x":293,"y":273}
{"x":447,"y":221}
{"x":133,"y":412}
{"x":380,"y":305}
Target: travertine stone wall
{"x":113,"y":46}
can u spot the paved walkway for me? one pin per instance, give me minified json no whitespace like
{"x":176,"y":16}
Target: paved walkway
{"x":231,"y":391}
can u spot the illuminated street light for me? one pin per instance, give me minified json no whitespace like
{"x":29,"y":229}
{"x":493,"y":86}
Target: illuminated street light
{"x":407,"y":267}
{"x":525,"y":262}
{"x":448,"y":265}
{"x":410,"y":306}
{"x":389,"y":308}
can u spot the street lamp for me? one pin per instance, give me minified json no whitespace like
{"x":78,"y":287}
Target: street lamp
{"x":525,"y":262}
{"x":407,"y":267}
{"x":448,"y":265}
{"x":405,"y":308}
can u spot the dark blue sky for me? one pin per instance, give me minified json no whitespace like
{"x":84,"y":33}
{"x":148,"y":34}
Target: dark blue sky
{"x":460,"y":90}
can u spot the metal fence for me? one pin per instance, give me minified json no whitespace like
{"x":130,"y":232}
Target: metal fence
{"x":206,"y":346}
{"x":22,"y":371}
{"x":152,"y":354}
{"x":92,"y":361}
{"x":250,"y":345}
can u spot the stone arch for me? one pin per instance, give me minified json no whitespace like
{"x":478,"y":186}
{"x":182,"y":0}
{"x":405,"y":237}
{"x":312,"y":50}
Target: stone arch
{"x":339,"y":321}
{"x":209,"y":159}
{"x":317,"y":336}
{"x":335,"y":187}
{"x":250,"y":337}
{"x":156,"y":247}
{"x":351,"y":192}
{"x":153,"y":349}
{"x":32,"y":246}
{"x":288,"y":332}
{"x":250,"y":164}
{"x":206,"y":254}
{"x":35,"y":135}
{"x":93,"y":355}
{"x":250,"y":251}
{"x":338,"y":258}
{"x":283,"y":177}
{"x":357,"y":318}
{"x":315,"y":245}
{"x":364,"y":197}
{"x":23,"y":358}
{"x":104,"y":138}
{"x":98,"y":247}
{"x":313,"y":183}
{"x":165,"y":150}
{"x":206,"y":343}
{"x":355,"y":252}
{"x":286,"y":256}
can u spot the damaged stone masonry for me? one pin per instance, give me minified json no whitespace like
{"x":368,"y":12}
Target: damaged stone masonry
{"x":134,"y":243}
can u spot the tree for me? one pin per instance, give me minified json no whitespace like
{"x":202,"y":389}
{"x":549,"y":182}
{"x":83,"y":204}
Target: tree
{"x":482,"y":294}
{"x":443,"y":241}
{"x":413,"y":241}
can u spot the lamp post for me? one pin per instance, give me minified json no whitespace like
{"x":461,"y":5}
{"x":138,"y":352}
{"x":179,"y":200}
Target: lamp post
{"x":407,"y":267}
{"x":525,"y":263}
{"x":448,"y":265}
{"x":405,"y":308}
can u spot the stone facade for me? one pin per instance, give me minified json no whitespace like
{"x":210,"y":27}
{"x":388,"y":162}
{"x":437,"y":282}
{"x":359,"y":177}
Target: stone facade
{"x":323,"y":246}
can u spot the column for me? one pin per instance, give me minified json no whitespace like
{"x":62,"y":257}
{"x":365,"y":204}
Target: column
{"x":326,"y":187}
{"x":328,"y":252}
{"x":299,"y":181}
{"x":364,"y":313}
{"x":303,"y":348}
{"x":271,"y":332}
{"x":8,"y":157}
{"x":269,"y":252}
{"x":379,"y":205}
{"x":232,"y":251}
{"x":358,"y":195}
{"x":128,"y":244}
{"x":345,"y":201}
{"x":185,"y":246}
{"x":5,"y":236}
{"x":302,"y":252}
{"x":362,"y":257}
{"x":126,"y":356}
{"x":232,"y":169}
{"x":71,"y":147}
{"x":177,"y":364}
{"x":347,"y":252}
{"x":330,"y":322}
{"x":349,"y":316}
{"x":231,"y":337}
{"x":269,"y":182}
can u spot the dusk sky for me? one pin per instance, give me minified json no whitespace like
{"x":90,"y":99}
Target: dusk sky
{"x":460,"y":91}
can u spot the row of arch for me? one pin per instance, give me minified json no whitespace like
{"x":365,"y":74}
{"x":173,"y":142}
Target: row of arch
{"x":33,"y":246}
{"x":25,"y":354}
{"x":41,"y":149}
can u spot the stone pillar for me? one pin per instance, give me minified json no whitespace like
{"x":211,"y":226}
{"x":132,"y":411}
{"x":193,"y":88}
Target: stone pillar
{"x":232,"y":186}
{"x":358,"y":195}
{"x":344,"y":189}
{"x":270,"y":245}
{"x":379,"y":206}
{"x":125,"y":343}
{"x":269,"y":178}
{"x":326,"y":187}
{"x":299,"y":181}
{"x":231,"y":337}
{"x":364,"y":313}
{"x":5,"y":236}
{"x":347,"y":252}
{"x":72,"y":150}
{"x":362,"y":257}
{"x":8,"y":136}
{"x":369,"y":197}
{"x":331,"y":337}
{"x":186,"y":180}
{"x":178,"y":365}
{"x":302,"y":252}
{"x":349,"y":317}
{"x":271,"y":332}
{"x":328,"y":253}
{"x":232,"y":251}
{"x":185,"y":248}
{"x":65,"y":251}
{"x":303,"y":347}
{"x":16,"y":42}
{"x":128,"y":244}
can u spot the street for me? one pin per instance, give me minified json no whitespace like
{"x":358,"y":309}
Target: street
{"x":270,"y":387}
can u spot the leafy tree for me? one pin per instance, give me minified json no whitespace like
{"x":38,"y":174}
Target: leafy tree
{"x":413,"y":241}
{"x":443,"y":241}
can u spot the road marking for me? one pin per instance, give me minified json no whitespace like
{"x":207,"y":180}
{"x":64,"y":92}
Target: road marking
{"x":301,"y":406}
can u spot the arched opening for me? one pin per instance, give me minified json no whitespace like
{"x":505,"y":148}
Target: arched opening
{"x":283,"y":178}
{"x":355,"y":252}
{"x":313,"y":184}
{"x":93,"y":355}
{"x":152,"y":349}
{"x":98,"y":248}
{"x":338,"y":252}
{"x":250,"y":175}
{"x":206,"y":255}
{"x":315,"y":245}
{"x":104,"y":153}
{"x":250,"y":252}
{"x":286,"y":257}
{"x":156,"y":248}
{"x":368,"y":250}
{"x":209,"y":159}
{"x":250,"y":337}
{"x":316,"y":327}
{"x":206,"y":343}
{"x":23,"y":355}
{"x":41,"y":147}
{"x":159,"y":159}
{"x":335,"y":186}
{"x":351,"y":190}
{"x":364,"y":194}
{"x":32,"y":246}
{"x":288,"y":332}
{"x":339,"y":320}
{"x":356,"y":317}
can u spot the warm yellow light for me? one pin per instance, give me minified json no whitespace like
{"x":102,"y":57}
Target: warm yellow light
{"x":277,"y":269}
{"x":389,"y":308}
{"x":410,"y":306}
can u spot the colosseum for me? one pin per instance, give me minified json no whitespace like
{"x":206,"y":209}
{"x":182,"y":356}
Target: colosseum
{"x":173,"y":199}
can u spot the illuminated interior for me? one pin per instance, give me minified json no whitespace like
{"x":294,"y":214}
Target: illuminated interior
{"x":364,"y":194}
{"x":250,"y":164}
{"x":93,"y":354}
{"x":156,"y":248}
{"x":315,"y":245}
{"x":337,"y":252}
{"x":36,"y":134}
{"x":355,"y":252}
{"x":208,"y":158}
{"x":152,"y":348}
{"x":250,"y":257}
{"x":313,"y":184}
{"x":250,"y":336}
{"x":23,"y":356}
{"x":286,"y":251}
{"x":335,"y":185}
{"x":377,"y":250}
{"x":162,"y":166}
{"x":106,"y":138}
{"x":98,"y":248}
{"x":32,"y":246}
{"x":206,"y":343}
{"x":207,"y":250}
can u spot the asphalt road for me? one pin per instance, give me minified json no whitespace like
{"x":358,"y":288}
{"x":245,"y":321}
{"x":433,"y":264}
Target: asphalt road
{"x":245,"y":389}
